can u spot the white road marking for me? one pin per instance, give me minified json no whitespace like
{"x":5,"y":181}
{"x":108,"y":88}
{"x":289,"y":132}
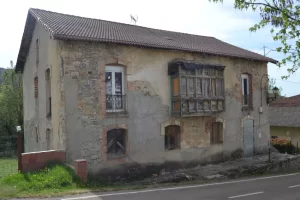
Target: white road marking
{"x":244,"y":195}
{"x":178,"y":188}
{"x":294,"y":186}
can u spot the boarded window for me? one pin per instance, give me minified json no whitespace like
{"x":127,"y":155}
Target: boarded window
{"x":172,"y":137}
{"x":175,"y":86}
{"x":116,"y":143}
{"x":217,"y":133}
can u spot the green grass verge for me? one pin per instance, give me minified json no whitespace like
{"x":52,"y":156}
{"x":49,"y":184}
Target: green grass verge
{"x":8,"y":166}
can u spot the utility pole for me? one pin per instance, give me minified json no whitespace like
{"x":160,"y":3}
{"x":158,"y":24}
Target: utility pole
{"x":264,"y":50}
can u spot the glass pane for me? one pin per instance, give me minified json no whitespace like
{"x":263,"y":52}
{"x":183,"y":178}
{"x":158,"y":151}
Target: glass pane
{"x":200,"y":71}
{"x":206,"y":86}
{"x":213,"y":87}
{"x":200,"y":106}
{"x":245,"y":85}
{"x":220,"y":105}
{"x":108,"y":82}
{"x":206,"y":105}
{"x":199,"y":86}
{"x":220,"y":73}
{"x":184,"y":107}
{"x":192,"y":106}
{"x":212,"y":72}
{"x":183,"y":86}
{"x":206,"y":71}
{"x":118,"y":83}
{"x":191,"y":87}
{"x":175,"y":86}
{"x":214,"y":105}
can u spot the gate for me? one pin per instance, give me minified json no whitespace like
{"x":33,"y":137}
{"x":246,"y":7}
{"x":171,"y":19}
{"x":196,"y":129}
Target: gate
{"x":248,"y":137}
{"x":8,"y":155}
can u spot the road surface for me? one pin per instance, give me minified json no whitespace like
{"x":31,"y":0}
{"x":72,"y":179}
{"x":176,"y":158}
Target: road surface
{"x":281,"y":187}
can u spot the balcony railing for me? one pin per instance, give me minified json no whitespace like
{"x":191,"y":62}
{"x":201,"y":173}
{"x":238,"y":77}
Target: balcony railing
{"x":115,"y":103}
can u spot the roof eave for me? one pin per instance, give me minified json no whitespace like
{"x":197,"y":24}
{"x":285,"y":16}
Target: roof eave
{"x":68,"y":37}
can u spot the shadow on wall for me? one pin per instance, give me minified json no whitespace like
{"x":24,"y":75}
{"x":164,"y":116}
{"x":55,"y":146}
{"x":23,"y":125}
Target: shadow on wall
{"x":131,"y":171}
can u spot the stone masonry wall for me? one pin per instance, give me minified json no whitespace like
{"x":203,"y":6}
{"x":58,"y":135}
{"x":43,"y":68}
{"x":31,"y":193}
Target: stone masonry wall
{"x":147,"y":87}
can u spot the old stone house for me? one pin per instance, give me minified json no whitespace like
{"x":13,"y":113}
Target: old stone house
{"x":117,"y":94}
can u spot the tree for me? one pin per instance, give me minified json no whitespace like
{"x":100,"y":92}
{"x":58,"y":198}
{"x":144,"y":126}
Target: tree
{"x":283,"y":16}
{"x":272,"y":84}
{"x":11,"y":102}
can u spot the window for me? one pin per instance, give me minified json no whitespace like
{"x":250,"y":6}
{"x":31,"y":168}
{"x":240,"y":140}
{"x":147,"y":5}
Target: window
{"x":36,"y":134}
{"x":196,"y":89}
{"x":246,"y":90}
{"x":217,"y":133}
{"x":116,"y":143}
{"x":172,"y":137}
{"x":48,"y":138}
{"x":48,"y":92}
{"x":115,"y":93}
{"x":37,"y":49}
{"x":36,"y":87}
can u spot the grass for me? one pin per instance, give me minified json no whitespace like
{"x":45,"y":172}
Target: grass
{"x":59,"y":180}
{"x":8,"y":166}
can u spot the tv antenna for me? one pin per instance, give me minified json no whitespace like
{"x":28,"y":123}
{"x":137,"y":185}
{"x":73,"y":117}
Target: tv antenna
{"x":133,"y":19}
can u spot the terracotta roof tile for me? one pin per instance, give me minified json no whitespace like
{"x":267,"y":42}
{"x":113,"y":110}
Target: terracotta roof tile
{"x":287,"y":102}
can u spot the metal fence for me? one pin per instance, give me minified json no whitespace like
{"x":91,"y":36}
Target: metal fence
{"x":8,"y":155}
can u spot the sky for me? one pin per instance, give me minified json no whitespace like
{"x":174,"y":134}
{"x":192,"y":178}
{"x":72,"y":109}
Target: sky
{"x":190,"y":16}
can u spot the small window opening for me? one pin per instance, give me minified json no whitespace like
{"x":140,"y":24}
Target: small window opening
{"x":48,"y":93}
{"x":246,"y":90}
{"x":172,"y":137}
{"x":48,"y":138}
{"x":116,"y":143}
{"x":36,"y":87}
{"x":217,"y":133}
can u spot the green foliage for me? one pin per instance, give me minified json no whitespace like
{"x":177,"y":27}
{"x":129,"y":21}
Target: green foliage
{"x":11,"y":102}
{"x":283,"y":16}
{"x":283,"y":145}
{"x":8,"y":166}
{"x":54,"y":177}
{"x":272,"y":84}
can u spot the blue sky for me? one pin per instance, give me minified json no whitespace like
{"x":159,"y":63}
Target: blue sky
{"x":191,"y":16}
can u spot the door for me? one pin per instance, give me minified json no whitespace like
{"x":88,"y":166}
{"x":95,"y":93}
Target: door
{"x":248,"y":138}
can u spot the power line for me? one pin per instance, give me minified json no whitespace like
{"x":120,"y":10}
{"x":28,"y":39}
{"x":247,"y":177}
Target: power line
{"x":287,"y":81}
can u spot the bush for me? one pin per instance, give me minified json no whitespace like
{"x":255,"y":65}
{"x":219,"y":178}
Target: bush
{"x":283,"y":145}
{"x":53,"y":177}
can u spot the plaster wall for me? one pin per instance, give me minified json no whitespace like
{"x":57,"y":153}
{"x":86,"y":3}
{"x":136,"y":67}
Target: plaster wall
{"x":148,"y":102}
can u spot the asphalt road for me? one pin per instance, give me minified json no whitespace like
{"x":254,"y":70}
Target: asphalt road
{"x":281,"y":187}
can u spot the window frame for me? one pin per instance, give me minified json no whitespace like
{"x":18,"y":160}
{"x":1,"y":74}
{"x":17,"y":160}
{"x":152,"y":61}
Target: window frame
{"x":113,"y":69}
{"x":247,"y":77}
{"x":200,"y":101}
{"x":48,"y":92}
{"x":220,"y":129}
{"x":169,"y":135}
{"x":109,"y":156}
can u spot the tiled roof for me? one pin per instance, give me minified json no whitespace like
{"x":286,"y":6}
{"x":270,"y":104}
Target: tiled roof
{"x":284,"y":116}
{"x":287,"y":102}
{"x":65,"y":27}
{"x":285,"y":112}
